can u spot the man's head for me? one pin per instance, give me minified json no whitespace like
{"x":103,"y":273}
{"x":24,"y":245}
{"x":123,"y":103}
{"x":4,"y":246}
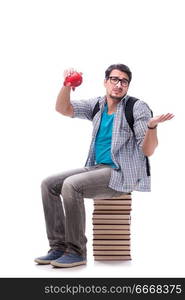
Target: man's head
{"x":117,"y":80}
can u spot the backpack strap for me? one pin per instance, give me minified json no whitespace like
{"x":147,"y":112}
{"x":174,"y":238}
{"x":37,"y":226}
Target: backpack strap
{"x":96,"y":109}
{"x":129,"y":111}
{"x":130,"y":119}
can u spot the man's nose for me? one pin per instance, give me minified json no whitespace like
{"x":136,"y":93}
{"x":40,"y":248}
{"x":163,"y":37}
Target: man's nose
{"x":118,"y":84}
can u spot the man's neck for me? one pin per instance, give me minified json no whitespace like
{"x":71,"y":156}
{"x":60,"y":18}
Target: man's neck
{"x":112,"y":104}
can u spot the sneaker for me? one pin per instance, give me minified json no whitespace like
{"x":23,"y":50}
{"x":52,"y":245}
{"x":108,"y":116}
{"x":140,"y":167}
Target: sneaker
{"x":69,"y":260}
{"x":52,"y":255}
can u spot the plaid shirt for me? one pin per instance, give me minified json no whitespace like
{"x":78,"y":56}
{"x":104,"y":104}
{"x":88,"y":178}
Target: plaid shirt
{"x":126,"y":151}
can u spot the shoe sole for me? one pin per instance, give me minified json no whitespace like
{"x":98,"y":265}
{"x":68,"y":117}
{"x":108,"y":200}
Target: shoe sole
{"x":42,"y":262}
{"x":60,"y":265}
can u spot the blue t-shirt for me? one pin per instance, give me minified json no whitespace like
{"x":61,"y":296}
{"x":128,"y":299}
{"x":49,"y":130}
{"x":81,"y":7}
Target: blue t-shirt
{"x":103,"y":139}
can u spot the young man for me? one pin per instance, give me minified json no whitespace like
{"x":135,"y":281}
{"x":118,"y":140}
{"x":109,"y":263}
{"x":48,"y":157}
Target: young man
{"x":117,"y":163}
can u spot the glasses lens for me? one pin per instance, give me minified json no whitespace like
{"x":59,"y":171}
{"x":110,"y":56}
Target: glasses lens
{"x":124,"y":82}
{"x":114,"y":80}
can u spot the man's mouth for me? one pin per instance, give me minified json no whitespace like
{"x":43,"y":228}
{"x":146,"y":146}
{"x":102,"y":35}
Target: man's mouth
{"x":117,"y":91}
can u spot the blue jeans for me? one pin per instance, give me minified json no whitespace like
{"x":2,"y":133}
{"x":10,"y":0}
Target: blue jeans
{"x":63,"y":202}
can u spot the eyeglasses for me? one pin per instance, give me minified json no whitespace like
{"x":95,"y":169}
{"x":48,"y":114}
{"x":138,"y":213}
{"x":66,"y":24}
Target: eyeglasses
{"x":114,"y":80}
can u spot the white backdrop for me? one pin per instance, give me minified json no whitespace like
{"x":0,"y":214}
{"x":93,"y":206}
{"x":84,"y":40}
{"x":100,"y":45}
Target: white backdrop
{"x":39,"y":39}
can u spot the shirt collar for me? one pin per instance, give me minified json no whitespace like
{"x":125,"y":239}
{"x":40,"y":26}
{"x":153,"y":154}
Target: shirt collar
{"x":102,"y":100}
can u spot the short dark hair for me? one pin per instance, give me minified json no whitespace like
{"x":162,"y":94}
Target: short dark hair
{"x":120,"y":67}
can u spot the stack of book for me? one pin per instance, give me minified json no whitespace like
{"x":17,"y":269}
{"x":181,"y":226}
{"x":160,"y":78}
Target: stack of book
{"x":111,"y":228}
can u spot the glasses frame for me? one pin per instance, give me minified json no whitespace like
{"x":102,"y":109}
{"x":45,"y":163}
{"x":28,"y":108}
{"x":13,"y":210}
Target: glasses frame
{"x":124,"y":82}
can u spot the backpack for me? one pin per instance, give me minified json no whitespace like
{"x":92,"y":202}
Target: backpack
{"x":130,"y":119}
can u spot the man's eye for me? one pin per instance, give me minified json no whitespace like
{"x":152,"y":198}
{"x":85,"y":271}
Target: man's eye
{"x":124,"y":81}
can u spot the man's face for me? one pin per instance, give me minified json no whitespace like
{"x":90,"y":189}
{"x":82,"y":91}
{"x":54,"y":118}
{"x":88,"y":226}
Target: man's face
{"x":116,"y":89}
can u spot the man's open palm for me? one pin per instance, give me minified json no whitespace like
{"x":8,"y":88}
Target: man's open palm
{"x":159,"y":119}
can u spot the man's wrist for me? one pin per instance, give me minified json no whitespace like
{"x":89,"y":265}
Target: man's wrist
{"x":152,"y":127}
{"x":67,"y":87}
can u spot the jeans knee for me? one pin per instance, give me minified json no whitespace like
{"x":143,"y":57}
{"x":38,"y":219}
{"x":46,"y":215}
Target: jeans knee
{"x":50,"y":185}
{"x":69,"y":186}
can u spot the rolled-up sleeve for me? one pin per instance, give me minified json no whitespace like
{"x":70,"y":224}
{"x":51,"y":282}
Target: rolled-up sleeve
{"x":83,"y":109}
{"x":142,"y":114}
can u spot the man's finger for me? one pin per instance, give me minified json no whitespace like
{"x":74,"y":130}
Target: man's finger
{"x":166,"y":117}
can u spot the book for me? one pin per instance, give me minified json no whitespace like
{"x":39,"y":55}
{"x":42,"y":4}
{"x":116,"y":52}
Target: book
{"x":111,"y":252}
{"x":124,"y":202}
{"x":113,"y":207}
{"x":109,"y":231}
{"x":113,"y":212}
{"x":104,"y":221}
{"x":111,"y":237}
{"x":111,"y":247}
{"x":111,"y":242}
{"x":111,"y":226}
{"x":115,"y":257}
{"x":112,"y":216}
